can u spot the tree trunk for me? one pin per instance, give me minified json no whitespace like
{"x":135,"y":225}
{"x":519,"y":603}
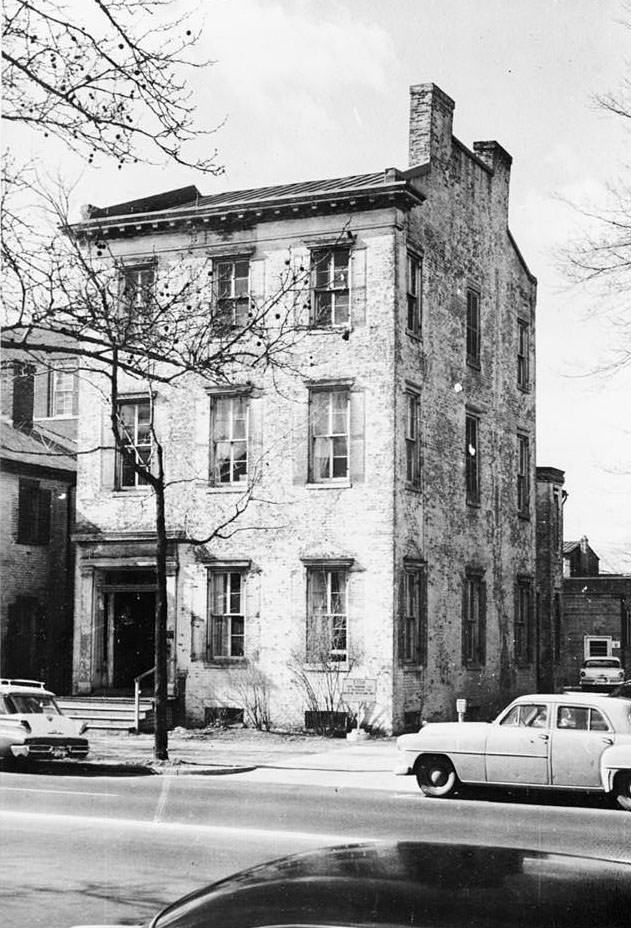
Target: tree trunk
{"x":160,"y":744}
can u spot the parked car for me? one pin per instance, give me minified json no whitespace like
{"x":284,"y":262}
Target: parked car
{"x":579,"y":741}
{"x":601,"y":671}
{"x":32,"y":725}
{"x":413,"y":883}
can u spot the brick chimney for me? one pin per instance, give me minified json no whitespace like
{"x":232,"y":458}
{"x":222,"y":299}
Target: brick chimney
{"x":23,"y":394}
{"x":431,"y":120}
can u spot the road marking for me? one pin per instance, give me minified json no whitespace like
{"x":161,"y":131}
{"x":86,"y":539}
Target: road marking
{"x":36,"y":789}
{"x":162,"y":800}
{"x":225,"y":830}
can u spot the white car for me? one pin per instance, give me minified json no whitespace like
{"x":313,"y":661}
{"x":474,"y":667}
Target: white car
{"x":601,"y":671}
{"x":32,"y":725}
{"x":579,"y":741}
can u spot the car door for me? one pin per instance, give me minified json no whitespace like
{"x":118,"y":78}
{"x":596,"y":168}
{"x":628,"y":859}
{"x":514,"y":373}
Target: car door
{"x":517,"y":747}
{"x":580,"y":735}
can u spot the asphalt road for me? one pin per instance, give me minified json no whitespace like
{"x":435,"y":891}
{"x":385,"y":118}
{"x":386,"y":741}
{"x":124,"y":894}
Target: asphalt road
{"x":102,"y":850}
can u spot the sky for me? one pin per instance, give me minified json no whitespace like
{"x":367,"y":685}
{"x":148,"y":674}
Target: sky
{"x":308,"y":89}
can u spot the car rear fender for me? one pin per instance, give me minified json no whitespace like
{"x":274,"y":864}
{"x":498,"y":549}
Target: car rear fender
{"x":612,"y":761}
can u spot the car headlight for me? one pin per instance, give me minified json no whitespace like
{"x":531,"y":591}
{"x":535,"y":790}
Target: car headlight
{"x":582,"y":673}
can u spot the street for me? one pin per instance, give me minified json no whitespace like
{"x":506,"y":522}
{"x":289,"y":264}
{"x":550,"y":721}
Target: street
{"x":99,"y":850}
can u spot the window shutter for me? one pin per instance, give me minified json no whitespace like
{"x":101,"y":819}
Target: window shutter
{"x":257,"y":284}
{"x":358,"y":287}
{"x":43,"y":526}
{"x":464,"y":621}
{"x":483,"y":622}
{"x":399,"y":618}
{"x":421,"y":640}
{"x":108,"y":454}
{"x":256,"y":449}
{"x":27,"y":510}
{"x":42,"y":394}
{"x":300,"y":443}
{"x":356,"y":605}
{"x":301,"y":287}
{"x":357,"y":448}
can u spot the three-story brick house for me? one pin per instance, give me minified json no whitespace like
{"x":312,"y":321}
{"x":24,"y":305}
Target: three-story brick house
{"x":394,"y":512}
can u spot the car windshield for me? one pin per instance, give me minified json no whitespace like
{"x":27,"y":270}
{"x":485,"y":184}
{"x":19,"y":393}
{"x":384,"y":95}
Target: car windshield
{"x":603,"y":662}
{"x":32,"y":703}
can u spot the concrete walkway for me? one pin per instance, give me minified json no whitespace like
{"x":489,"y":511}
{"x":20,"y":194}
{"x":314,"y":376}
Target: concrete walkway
{"x":266,"y":757}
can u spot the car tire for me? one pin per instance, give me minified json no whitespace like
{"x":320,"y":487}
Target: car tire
{"x":622,"y":789}
{"x":436,"y":776}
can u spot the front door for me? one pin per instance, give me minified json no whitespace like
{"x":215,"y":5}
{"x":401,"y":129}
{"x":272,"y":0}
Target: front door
{"x":133,"y":635}
{"x":580,"y":735}
{"x":517,"y":749}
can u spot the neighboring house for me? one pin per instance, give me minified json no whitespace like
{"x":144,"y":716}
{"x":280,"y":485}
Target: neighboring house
{"x":597,"y":611}
{"x":400,"y":458}
{"x":551,"y":497}
{"x":38,"y":478}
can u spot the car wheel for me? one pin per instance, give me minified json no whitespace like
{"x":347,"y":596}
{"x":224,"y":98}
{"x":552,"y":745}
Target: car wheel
{"x":436,"y":776}
{"x":622,"y":789}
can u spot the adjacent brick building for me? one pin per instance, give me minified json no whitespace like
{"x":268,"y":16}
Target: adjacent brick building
{"x":399,"y":455}
{"x":37,"y":490}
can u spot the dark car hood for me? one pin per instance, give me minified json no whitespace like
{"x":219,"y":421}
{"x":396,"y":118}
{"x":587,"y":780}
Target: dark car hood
{"x":414,"y":884}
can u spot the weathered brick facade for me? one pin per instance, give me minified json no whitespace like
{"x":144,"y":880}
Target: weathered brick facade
{"x":464,"y":369}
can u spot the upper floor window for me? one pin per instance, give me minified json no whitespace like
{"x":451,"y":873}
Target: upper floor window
{"x":137,"y":286}
{"x":523,"y":352}
{"x":329,"y":435}
{"x":413,"y":619}
{"x":226,"y":620}
{"x":232,"y":290}
{"x":474,"y":620}
{"x":414,"y":294}
{"x":330,"y":282}
{"x":62,"y":396}
{"x":472,"y":459}
{"x":523,"y":621}
{"x":327,"y":612}
{"x":34,"y":504}
{"x":134,"y":417}
{"x":473,"y":328}
{"x":412,"y":449}
{"x":523,"y":475}
{"x":229,"y":439}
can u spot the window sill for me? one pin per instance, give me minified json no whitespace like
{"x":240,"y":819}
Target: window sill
{"x":473,"y":666}
{"x":131,"y":491}
{"x":413,"y":488}
{"x":472,"y":504}
{"x":330,"y":485}
{"x":225,"y":662}
{"x":319,"y":668}
{"x":415,"y":336}
{"x":228,"y":487}
{"x":409,"y":667}
{"x":524,"y":516}
{"x":523,"y":388}
{"x":474,"y":365}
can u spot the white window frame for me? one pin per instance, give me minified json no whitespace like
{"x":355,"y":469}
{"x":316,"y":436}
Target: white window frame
{"x":227,"y":618}
{"x":414,"y":293}
{"x":61,"y":396}
{"x":412,"y":439}
{"x":323,"y":260}
{"x":330,"y":436}
{"x":329,"y":622}
{"x":131,"y":441}
{"x":235,"y":304}
{"x":523,"y":475}
{"x":523,"y":354}
{"x":236,"y":476}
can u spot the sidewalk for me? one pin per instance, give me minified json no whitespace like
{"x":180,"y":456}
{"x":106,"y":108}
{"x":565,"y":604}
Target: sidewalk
{"x":270,"y":757}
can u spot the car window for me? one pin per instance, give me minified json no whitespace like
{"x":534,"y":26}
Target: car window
{"x":575,"y":717}
{"x":597,"y":721}
{"x":32,"y":704}
{"x":4,"y":709}
{"x":603,"y":662}
{"x":528,"y":715}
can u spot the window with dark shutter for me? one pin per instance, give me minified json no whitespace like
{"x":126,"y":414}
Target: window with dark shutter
{"x":473,"y":328}
{"x":34,"y":506}
{"x":472,"y":459}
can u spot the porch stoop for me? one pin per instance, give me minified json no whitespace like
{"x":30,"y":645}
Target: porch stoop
{"x":108,"y":713}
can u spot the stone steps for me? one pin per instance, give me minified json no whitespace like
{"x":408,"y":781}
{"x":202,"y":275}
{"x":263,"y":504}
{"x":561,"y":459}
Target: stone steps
{"x":108,"y":713}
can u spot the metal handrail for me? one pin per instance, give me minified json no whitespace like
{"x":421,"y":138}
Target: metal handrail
{"x":141,"y":676}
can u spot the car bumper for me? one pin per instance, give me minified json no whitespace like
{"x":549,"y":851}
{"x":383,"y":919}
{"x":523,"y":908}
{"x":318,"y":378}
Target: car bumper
{"x":48,"y":750}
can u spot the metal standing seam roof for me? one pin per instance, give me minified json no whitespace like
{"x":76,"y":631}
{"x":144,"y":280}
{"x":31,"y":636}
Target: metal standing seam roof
{"x":35,"y":449}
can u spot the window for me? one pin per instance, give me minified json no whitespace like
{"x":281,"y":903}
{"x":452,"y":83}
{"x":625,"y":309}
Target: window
{"x":523,"y":476}
{"x":526,"y":715}
{"x":413,"y":629}
{"x":226,"y":625}
{"x":329,"y":420}
{"x":229,"y":440}
{"x":473,"y":328}
{"x":63,"y":392}
{"x":326,"y":614}
{"x":523,"y":351}
{"x":412,"y":445}
{"x":232,"y":290}
{"x":523,"y":622}
{"x":557,"y":627}
{"x":472,"y":459}
{"x":34,"y":504}
{"x":135,"y":427}
{"x":137,"y":286}
{"x":330,"y":305}
{"x":414,"y":294}
{"x":474,"y":620}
